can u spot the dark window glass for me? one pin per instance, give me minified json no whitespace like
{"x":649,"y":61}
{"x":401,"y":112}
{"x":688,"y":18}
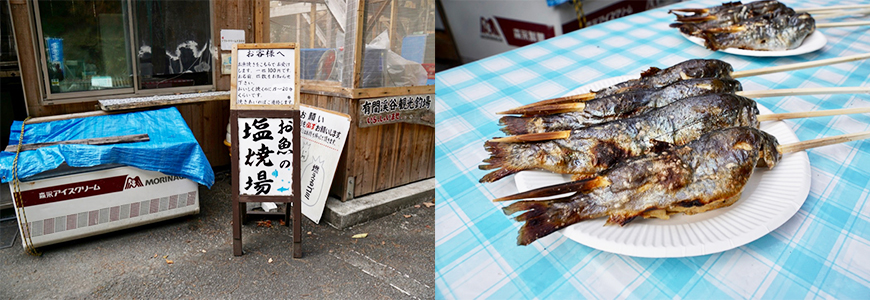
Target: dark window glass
{"x":85,"y":44}
{"x":174,"y":41}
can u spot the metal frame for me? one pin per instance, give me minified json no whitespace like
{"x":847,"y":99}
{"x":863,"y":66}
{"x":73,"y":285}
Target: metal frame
{"x":49,"y":98}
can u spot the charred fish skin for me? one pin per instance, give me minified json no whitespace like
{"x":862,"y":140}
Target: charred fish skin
{"x":763,"y":34}
{"x":618,"y":106}
{"x":590,"y":150}
{"x":711,"y":169}
{"x":655,"y":78}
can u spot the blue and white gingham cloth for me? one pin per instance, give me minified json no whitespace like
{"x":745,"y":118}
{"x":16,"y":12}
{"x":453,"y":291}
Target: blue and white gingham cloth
{"x":823,"y":251}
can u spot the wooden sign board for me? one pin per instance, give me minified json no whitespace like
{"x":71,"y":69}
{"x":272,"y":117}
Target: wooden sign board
{"x":264,"y":119}
{"x":265,"y":76}
{"x":416,"y":109}
{"x":323,"y":135}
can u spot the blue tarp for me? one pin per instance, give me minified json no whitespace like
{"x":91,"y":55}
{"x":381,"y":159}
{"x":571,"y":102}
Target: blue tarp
{"x":172,"y":149}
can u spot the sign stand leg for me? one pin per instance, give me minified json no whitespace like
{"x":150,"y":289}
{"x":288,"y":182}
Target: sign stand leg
{"x":297,"y":227}
{"x":237,"y":227}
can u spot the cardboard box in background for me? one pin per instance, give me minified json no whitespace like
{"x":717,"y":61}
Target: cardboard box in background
{"x":71,"y":203}
{"x":482,"y":28}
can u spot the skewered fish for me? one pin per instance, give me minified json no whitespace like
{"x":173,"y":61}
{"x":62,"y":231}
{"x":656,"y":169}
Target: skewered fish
{"x":774,"y":34}
{"x":656,"y":78}
{"x":726,"y":15}
{"x":705,"y":174}
{"x":760,"y":25}
{"x":589,"y":150}
{"x":618,"y":106}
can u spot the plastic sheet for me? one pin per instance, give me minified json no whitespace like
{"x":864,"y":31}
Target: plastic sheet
{"x":172,"y":149}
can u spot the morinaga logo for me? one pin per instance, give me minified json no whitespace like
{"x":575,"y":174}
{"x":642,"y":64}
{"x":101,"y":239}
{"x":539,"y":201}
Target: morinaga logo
{"x":135,"y":182}
{"x":488,"y":29}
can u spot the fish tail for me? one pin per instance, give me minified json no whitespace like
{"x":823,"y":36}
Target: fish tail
{"x":499,"y":159}
{"x":514,"y":125}
{"x":543,"y":217}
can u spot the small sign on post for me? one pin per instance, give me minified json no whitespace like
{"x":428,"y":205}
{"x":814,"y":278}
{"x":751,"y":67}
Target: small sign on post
{"x":264,"y":118}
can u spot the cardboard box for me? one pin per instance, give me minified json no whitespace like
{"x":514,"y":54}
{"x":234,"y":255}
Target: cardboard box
{"x":482,"y":28}
{"x":71,"y":203}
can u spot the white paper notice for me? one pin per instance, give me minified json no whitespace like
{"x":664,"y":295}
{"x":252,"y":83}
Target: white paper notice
{"x":230,"y":37}
{"x":266,"y":77}
{"x":266,"y":156}
{"x":323,"y":136}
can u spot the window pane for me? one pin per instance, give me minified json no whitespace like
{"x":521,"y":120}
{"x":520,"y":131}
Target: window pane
{"x":174,"y":38}
{"x":322,"y":48}
{"x":399,"y":43}
{"x":85,"y":45}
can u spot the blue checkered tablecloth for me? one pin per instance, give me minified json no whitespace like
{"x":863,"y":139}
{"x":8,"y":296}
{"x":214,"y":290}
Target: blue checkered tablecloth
{"x":822,"y":251}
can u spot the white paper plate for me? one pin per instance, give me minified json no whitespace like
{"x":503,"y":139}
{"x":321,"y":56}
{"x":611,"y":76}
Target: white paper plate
{"x":814,"y":42}
{"x":769,"y":199}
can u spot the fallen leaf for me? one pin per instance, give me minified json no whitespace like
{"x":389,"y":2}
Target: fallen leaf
{"x":417,"y":206}
{"x":202,"y":250}
{"x":166,"y":256}
{"x":383,"y":243}
{"x":267,"y":223}
{"x":309,"y":233}
{"x":169,"y":262}
{"x":407,"y":216}
{"x":360,"y":235}
{"x":270,"y":260}
{"x":282,"y":223}
{"x":429,"y":204}
{"x":155,"y":256}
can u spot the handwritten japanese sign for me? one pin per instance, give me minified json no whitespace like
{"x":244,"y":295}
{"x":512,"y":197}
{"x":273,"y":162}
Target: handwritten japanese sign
{"x":265,"y":156}
{"x":323,"y":136}
{"x":265,"y":75}
{"x":417,"y":109}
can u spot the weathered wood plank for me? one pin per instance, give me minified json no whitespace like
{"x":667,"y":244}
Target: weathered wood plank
{"x":93,"y":141}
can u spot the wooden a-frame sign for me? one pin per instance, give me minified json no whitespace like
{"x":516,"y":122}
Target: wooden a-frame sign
{"x":265,"y":130}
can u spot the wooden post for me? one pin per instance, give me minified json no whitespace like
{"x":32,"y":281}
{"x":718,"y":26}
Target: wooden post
{"x":394,"y":23}
{"x":313,"y":26}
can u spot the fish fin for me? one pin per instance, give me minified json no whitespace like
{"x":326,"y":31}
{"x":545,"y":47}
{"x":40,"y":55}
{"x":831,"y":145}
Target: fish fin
{"x":497,"y":175}
{"x":695,"y":19}
{"x":514,"y":125}
{"x":579,"y":186}
{"x":650,"y":72}
{"x":543,"y":217}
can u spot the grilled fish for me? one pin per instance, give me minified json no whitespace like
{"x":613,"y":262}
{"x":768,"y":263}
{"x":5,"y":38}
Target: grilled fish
{"x":656,"y":78}
{"x":618,"y":106}
{"x":592,"y":149}
{"x":705,"y":174}
{"x":766,"y":34}
{"x":726,"y":15}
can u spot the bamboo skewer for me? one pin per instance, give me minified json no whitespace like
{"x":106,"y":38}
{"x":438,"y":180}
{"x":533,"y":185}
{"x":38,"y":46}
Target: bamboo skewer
{"x":830,"y":8}
{"x":843,"y":24}
{"x":803,"y":65}
{"x":555,"y":107}
{"x":831,"y":140}
{"x":835,"y":14}
{"x":804,"y":91}
{"x":810,"y":114}
{"x":564,"y":134}
{"x":735,"y":74}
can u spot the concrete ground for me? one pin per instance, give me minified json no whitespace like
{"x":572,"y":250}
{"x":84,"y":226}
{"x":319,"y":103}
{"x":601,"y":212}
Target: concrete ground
{"x":395,"y":261}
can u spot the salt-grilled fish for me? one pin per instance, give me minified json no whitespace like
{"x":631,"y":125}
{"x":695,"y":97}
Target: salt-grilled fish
{"x":656,"y":78}
{"x":706,"y":174}
{"x":614,"y":107}
{"x":589,"y":150}
{"x":767,"y":34}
